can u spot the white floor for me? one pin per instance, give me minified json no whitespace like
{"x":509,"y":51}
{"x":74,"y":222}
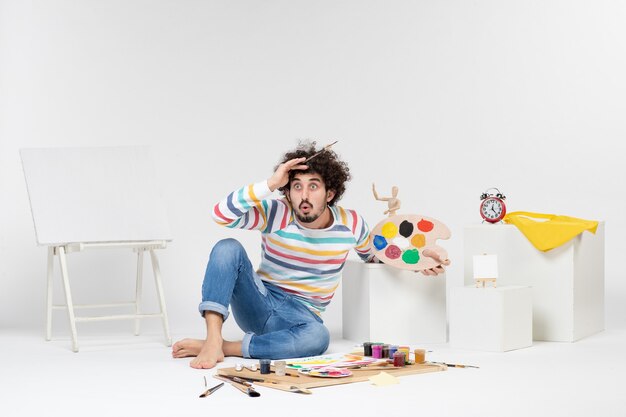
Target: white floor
{"x":124,"y":375}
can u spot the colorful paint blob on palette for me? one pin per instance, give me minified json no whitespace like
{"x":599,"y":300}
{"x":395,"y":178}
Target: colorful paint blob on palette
{"x":327,"y":372}
{"x":400,"y":240}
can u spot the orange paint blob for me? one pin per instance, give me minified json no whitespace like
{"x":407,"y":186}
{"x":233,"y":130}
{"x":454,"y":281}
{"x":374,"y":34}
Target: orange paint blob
{"x":419,"y":240}
{"x":425,"y":225}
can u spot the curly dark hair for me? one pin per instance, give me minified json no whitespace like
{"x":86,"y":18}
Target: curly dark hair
{"x":334,"y":172}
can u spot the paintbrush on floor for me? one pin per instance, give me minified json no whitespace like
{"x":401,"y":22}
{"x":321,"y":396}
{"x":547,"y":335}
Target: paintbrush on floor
{"x":244,"y":387}
{"x":247,"y":381}
{"x":211,"y":390}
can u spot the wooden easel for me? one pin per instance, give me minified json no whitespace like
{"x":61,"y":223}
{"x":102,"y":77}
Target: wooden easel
{"x":483,"y":281}
{"x":140,"y":247}
{"x":485,"y":270}
{"x":96,"y":198}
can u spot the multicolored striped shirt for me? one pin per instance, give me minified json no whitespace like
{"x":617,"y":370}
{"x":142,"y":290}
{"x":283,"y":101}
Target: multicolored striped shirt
{"x":306,"y":263}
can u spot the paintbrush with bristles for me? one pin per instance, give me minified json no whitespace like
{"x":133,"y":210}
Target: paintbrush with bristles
{"x":319,"y":152}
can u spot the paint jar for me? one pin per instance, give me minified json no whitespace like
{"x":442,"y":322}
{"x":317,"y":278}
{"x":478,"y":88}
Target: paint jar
{"x":392,"y":349}
{"x":406,"y":351}
{"x":381,"y":348}
{"x":377,"y":351}
{"x":398,"y":359}
{"x":367,"y":349}
{"x":420,"y":355}
{"x":385,"y":353}
{"x":239,"y":367}
{"x":280,"y":368}
{"x":264,"y":364}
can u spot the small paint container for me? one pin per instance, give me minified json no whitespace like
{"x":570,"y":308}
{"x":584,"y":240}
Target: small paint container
{"x":377,"y":351}
{"x":264,"y":364}
{"x":280,"y":368}
{"x":398,"y":359}
{"x":385,"y":353}
{"x":420,"y":355}
{"x":367,"y":349}
{"x":252,"y":367}
{"x":392,"y":349}
{"x":239,"y":367}
{"x":406,"y":351}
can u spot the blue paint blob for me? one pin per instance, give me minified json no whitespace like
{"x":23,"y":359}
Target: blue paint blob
{"x":380,"y":242}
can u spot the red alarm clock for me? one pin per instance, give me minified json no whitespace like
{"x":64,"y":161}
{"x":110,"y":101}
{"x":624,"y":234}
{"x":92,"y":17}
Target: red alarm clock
{"x":492,"y":207}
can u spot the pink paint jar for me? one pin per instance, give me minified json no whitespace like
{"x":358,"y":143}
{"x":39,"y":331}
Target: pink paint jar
{"x":377,"y":351}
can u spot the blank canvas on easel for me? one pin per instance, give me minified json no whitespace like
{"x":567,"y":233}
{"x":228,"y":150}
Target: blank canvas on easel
{"x":485,"y":266}
{"x":94,"y":195}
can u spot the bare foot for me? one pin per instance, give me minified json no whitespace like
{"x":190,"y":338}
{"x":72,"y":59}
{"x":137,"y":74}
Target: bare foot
{"x":210,"y":354}
{"x":192,"y":347}
{"x":186,"y":348}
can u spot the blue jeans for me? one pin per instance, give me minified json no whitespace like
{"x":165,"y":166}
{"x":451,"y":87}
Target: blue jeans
{"x":277,"y":325}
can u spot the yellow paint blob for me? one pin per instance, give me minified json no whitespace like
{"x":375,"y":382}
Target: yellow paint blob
{"x":419,"y":240}
{"x":389,"y":230}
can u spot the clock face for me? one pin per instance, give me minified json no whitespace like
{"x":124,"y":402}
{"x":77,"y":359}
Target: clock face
{"x":492,"y":209}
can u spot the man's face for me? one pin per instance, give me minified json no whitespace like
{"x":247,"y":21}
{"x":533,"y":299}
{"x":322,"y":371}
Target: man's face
{"x":308,"y":197}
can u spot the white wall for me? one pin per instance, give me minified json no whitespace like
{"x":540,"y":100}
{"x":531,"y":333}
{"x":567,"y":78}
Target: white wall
{"x":442,"y":98}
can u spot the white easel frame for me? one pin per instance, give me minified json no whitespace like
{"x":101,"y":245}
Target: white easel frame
{"x":67,"y":188}
{"x":61,"y":251}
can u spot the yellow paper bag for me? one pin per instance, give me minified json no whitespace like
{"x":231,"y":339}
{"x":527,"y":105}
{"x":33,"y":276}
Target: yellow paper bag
{"x":548,"y":231}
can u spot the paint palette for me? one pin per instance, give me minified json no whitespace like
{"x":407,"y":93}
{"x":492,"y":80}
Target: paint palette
{"x":400,"y":240}
{"x":336,"y":360}
{"x":326,"y":372}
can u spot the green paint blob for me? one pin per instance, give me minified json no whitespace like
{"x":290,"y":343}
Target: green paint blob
{"x":411,"y":256}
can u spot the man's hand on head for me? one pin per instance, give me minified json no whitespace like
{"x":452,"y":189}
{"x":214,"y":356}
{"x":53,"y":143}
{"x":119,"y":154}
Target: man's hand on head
{"x":281,"y":176}
{"x":438,"y":254}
